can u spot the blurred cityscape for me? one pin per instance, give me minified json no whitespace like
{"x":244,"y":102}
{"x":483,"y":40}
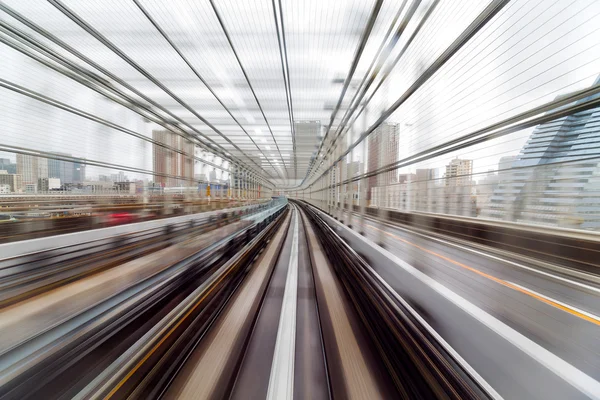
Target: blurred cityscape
{"x":553,"y":181}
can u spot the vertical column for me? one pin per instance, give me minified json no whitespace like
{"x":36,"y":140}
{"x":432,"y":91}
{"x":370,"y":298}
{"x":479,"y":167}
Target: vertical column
{"x":350,"y":188}
{"x":362,"y":201}
{"x":343,"y":187}
{"x":330,"y":191}
{"x":339,"y":172}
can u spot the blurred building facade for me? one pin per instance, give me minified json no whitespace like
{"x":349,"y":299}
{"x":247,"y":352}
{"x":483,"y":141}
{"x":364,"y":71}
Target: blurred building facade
{"x":555,"y":180}
{"x":382,"y":145}
{"x":31,"y":168}
{"x":66,"y":171}
{"x":7,"y":165}
{"x":458,"y":197}
{"x":13,"y":181}
{"x":170,"y":162}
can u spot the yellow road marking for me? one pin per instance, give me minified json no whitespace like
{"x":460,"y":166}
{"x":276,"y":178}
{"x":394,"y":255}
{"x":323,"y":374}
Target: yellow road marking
{"x":493,"y":278}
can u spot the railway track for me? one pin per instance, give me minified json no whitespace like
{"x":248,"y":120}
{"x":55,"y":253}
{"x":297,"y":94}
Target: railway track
{"x":280,"y":309}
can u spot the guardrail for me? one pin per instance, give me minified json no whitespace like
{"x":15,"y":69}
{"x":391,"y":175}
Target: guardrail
{"x":23,"y":247}
{"x":566,"y":247}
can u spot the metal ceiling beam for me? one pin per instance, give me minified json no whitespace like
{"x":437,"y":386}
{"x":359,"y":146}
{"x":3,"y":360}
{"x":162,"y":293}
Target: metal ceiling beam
{"x":357,"y":55}
{"x":345,"y":126}
{"x":88,"y":78}
{"x":237,"y":57}
{"x":286,"y":77}
{"x":195,"y":71}
{"x":102,"y":39}
{"x":482,"y":19}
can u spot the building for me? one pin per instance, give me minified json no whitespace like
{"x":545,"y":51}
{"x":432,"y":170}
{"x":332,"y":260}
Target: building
{"x":97,"y":186}
{"x":485,"y":189}
{"x":459,"y":173}
{"x":427,"y":189}
{"x":458,"y":196}
{"x":165,"y":161}
{"x":383,"y":145}
{"x":54,"y":184}
{"x":555,"y":180}
{"x":5,"y":189}
{"x":212,"y":175}
{"x":31,"y":168}
{"x":118,"y":177}
{"x":66,"y":171}
{"x":200,"y":177}
{"x":506,"y":163}
{"x":399,"y":196}
{"x":61,"y":169}
{"x":30,"y":188}
{"x":353,"y":169}
{"x":307,"y":134}
{"x":12,"y":180}
{"x":8,"y":166}
{"x":125,"y":187}
{"x":43,"y":185}
{"x":78,"y":172}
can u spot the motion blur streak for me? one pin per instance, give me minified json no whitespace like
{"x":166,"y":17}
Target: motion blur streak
{"x":571,"y":310}
{"x":293,"y":199}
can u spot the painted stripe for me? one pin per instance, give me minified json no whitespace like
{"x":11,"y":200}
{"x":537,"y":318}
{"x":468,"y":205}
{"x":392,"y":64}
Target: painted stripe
{"x":498,"y":280}
{"x":557,"y":303}
{"x":570,"y":374}
{"x":281,"y":381}
{"x":457,"y":357}
{"x":490,"y":256}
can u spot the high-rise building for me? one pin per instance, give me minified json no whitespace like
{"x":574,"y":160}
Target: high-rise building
{"x":458,"y":198}
{"x":78,"y":172}
{"x":170,"y":162}
{"x":43,"y":185}
{"x":61,"y":169}
{"x":555,"y":180}
{"x":426,"y":190}
{"x":307,"y":134}
{"x":31,"y":168}
{"x":8,"y":166}
{"x":12,"y":180}
{"x":459,"y":172}
{"x":383,"y":145}
{"x":119,"y":177}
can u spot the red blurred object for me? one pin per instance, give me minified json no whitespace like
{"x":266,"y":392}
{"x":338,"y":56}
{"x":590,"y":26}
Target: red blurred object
{"x":121,"y":218}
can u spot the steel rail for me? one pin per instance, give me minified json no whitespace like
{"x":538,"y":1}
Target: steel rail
{"x":421,"y":367}
{"x":116,"y":378}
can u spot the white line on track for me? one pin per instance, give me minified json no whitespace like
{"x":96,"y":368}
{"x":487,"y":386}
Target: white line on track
{"x":474,"y":374}
{"x":557,"y":365}
{"x":281,"y":381}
